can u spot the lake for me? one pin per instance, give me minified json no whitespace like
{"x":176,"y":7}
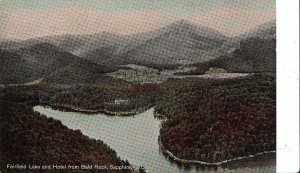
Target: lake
{"x":136,"y":139}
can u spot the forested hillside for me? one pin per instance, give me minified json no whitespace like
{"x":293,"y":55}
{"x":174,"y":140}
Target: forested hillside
{"x":102,"y":96}
{"x":254,"y":55}
{"x":29,"y":137}
{"x":215,"y":120}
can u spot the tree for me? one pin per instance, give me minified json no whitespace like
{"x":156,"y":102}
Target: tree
{"x":142,"y":170}
{"x":127,"y":163}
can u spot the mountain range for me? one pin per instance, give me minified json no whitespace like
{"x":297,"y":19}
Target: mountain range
{"x":254,"y":52}
{"x":178,"y":44}
{"x":43,"y":60}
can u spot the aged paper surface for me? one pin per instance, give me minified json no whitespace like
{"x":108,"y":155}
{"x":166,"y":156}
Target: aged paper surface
{"x":138,"y":86}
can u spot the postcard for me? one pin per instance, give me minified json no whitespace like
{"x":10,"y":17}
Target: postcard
{"x":156,"y":86}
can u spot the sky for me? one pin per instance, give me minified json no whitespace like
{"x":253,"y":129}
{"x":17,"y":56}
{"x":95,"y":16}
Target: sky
{"x":20,"y":19}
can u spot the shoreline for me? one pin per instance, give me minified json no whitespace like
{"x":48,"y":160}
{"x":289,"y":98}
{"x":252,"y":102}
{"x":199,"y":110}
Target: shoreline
{"x":89,"y":111}
{"x":171,"y":155}
{"x":161,"y":117}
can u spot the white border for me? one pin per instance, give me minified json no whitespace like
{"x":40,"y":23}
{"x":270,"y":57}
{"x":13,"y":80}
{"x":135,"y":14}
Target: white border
{"x":287,"y":85}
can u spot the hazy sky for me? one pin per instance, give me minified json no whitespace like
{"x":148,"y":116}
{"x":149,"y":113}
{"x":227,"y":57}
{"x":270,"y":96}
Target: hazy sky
{"x":24,"y":19}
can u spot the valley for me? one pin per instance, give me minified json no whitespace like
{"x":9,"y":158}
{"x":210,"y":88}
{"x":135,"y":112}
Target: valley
{"x":211,"y":98}
{"x":143,"y":74}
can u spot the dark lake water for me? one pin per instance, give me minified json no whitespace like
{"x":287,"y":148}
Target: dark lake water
{"x":136,"y":139}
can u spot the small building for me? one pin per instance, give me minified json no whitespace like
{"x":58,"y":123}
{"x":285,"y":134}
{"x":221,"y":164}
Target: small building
{"x":212,"y":70}
{"x":121,"y":102}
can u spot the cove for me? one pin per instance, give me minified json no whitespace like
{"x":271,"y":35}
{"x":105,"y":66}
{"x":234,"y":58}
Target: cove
{"x":135,"y":138}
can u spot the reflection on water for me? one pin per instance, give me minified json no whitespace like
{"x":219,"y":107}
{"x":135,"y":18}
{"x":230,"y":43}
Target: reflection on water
{"x":136,"y":139}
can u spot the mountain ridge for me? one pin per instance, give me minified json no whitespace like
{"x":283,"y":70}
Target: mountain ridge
{"x":179,"y":44}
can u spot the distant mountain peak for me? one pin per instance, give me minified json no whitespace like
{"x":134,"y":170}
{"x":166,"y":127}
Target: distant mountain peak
{"x":265,"y":31}
{"x":185,"y":26}
{"x":44,"y":46}
{"x":183,"y":22}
